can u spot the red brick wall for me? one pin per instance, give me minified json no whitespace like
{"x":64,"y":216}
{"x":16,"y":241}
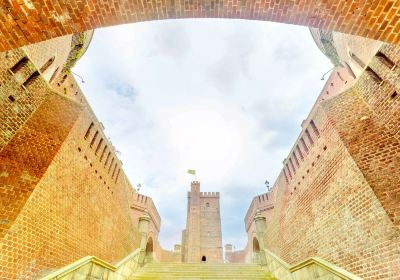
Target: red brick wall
{"x":202,"y":236}
{"x":24,"y":22}
{"x":210,"y":227}
{"x":341,"y":202}
{"x":60,"y":199}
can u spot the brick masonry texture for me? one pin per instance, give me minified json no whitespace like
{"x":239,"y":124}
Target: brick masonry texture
{"x":26,"y":22}
{"x":341,"y":202}
{"x":64,"y":194}
{"x":203,"y":236}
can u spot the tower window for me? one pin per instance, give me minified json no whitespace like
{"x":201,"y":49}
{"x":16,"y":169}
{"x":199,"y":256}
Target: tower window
{"x":18,"y":66}
{"x":374,"y":75}
{"x":33,"y":77}
{"x":385,"y":60}
{"x":47,"y":64}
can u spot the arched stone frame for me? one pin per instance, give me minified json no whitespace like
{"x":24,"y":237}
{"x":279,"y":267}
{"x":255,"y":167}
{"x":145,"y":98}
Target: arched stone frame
{"x":252,"y":254}
{"x":255,"y":245}
{"x":96,"y":13}
{"x":149,"y":256}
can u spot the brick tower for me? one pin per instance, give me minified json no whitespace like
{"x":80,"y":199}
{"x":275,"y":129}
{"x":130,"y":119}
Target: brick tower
{"x":202,"y":240}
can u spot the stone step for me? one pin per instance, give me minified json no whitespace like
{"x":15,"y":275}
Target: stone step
{"x":197,"y":271}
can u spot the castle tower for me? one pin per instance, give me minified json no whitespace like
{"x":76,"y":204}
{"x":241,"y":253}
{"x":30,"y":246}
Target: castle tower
{"x":202,"y":240}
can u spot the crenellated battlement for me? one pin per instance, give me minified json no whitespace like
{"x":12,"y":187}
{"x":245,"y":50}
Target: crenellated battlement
{"x":209,"y":194}
{"x":140,"y":202}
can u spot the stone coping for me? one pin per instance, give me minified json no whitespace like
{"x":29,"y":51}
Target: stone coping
{"x":340,"y":272}
{"x":89,"y":259}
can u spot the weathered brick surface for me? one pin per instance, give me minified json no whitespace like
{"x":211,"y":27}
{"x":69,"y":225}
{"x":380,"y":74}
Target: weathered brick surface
{"x":26,"y":22}
{"x":341,"y":202}
{"x":25,"y":159}
{"x":202,"y":237}
{"x":64,"y":194}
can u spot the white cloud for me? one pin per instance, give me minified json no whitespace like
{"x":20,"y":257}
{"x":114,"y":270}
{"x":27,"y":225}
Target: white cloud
{"x":224,"y":96}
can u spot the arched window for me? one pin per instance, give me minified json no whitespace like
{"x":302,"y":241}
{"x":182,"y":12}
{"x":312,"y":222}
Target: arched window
{"x":203,"y":259}
{"x":256,"y":245}
{"x":47,"y":64}
{"x":207,"y":204}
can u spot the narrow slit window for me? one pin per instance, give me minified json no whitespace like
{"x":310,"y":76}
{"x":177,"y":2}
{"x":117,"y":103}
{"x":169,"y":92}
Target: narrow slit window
{"x":94,"y":138}
{"x":111,"y":164}
{"x":288,"y":169}
{"x":314,"y":128}
{"x":309,"y":137}
{"x":55,"y":74}
{"x":350,"y":70}
{"x":300,"y":153}
{"x":108,"y":157}
{"x":358,"y":60}
{"x":374,"y":75}
{"x":385,"y":60}
{"x":286,"y":177}
{"x":32,"y":78}
{"x":292,"y":165}
{"x":19,"y":65}
{"x":89,"y":130}
{"x":116,"y":178}
{"x":304,"y":145}
{"x":47,"y":65}
{"x":113,"y":173}
{"x":295,"y":159}
{"x":98,"y":146}
{"x":103,"y":152}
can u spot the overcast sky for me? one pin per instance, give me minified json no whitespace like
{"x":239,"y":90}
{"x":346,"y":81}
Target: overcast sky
{"x":224,"y":97}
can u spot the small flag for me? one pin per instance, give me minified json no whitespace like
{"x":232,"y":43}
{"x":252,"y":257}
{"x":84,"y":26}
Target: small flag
{"x":191,"y":171}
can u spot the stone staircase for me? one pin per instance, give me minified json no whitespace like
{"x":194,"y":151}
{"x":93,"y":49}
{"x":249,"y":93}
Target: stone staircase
{"x":197,"y":271}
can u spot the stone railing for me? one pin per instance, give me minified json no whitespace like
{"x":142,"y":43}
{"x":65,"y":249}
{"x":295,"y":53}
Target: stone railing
{"x":310,"y":269}
{"x":94,"y":268}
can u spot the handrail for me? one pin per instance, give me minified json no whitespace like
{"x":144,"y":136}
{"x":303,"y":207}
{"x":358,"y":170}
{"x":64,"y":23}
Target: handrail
{"x":340,"y":272}
{"x":90,"y":259}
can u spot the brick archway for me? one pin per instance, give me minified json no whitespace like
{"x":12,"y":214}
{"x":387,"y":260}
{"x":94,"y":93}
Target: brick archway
{"x":26,"y":22}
